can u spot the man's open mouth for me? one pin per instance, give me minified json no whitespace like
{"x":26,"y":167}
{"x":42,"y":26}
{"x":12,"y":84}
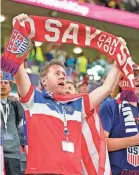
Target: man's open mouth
{"x":137,"y":85}
{"x":61,"y":84}
{"x":67,"y":92}
{"x":3,"y":89}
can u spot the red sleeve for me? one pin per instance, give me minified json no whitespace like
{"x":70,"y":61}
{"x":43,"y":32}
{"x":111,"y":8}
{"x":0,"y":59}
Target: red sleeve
{"x":27,"y":97}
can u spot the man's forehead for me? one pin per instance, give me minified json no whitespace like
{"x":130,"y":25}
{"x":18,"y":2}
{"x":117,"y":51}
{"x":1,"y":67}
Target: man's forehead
{"x":5,"y":81}
{"x":57,"y":68}
{"x":69,"y":84}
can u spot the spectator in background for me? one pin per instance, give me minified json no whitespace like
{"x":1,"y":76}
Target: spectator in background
{"x":35,"y":59}
{"x":114,"y":4}
{"x":48,"y":56}
{"x":70,"y":88}
{"x":13,"y":97}
{"x":133,"y":5}
{"x":55,"y":51}
{"x":81,"y":65}
{"x":82,"y":86}
{"x":61,"y":54}
{"x":120,"y":121}
{"x":108,"y":66}
{"x":74,"y":77}
{"x":95,"y":84}
{"x":11,"y":115}
{"x":50,"y":52}
{"x":70,"y":64}
{"x":99,"y":61}
{"x":129,"y":5}
{"x":111,"y":3}
{"x":90,"y":63}
{"x":23,"y":151}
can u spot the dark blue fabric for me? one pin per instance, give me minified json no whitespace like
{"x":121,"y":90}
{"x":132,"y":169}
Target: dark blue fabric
{"x":47,"y":98}
{"x":113,"y":123}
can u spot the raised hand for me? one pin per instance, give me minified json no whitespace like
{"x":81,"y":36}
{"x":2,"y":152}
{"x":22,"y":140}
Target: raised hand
{"x":21,"y":18}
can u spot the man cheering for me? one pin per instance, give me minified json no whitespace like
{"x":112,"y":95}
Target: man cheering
{"x":55,"y":128}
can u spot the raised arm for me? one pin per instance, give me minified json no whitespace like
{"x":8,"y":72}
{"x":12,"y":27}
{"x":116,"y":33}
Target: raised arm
{"x":115,"y":144}
{"x":22,"y":81}
{"x":109,"y":115}
{"x":99,"y":94}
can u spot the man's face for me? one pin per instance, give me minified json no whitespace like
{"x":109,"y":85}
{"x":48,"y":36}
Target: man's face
{"x":5,"y":88}
{"x":55,"y":80}
{"x":70,"y":89}
{"x":136,"y":74}
{"x":83,"y":88}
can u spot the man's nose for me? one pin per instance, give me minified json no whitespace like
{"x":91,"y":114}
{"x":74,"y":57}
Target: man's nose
{"x":62,"y":77}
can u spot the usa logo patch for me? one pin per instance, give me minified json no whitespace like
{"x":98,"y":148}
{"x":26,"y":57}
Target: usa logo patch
{"x":69,"y":108}
{"x":133,"y":156}
{"x":18,"y":44}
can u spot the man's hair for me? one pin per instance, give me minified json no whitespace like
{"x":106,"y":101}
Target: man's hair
{"x":71,"y":82}
{"x":45,"y":69}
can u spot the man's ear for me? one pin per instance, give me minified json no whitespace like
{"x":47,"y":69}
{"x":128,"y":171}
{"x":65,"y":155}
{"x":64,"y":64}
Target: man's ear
{"x":10,"y":88}
{"x":43,"y":81}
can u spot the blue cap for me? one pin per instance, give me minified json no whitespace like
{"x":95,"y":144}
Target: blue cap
{"x":7,"y":76}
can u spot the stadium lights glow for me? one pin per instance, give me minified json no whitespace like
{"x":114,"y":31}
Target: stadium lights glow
{"x":2,"y":18}
{"x":97,"y":78}
{"x":28,"y":70}
{"x":98,"y":67}
{"x":91,"y":77}
{"x":77,"y":50}
{"x":92,"y":71}
{"x":37,"y":44}
{"x":89,"y":71}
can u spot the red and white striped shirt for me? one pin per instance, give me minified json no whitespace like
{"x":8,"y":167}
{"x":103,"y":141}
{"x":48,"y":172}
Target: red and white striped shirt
{"x":45,"y":125}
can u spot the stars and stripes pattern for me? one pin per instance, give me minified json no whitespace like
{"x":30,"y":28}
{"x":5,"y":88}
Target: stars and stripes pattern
{"x":95,"y":159}
{"x":133,"y":159}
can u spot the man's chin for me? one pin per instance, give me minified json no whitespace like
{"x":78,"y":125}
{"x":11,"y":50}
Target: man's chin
{"x":67,"y":93}
{"x":60,"y":92}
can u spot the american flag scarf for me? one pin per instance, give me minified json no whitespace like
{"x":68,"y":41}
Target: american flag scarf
{"x":95,"y":160}
{"x":46,"y":29}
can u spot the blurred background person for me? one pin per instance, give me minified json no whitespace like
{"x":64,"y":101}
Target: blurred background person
{"x":82,"y":86}
{"x":11,"y":115}
{"x":120,"y":121}
{"x":70,"y":88}
{"x":81,"y":65}
{"x":70,"y":64}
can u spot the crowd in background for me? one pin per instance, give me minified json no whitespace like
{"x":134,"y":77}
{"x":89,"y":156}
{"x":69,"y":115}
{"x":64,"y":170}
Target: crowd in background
{"x":128,"y":5}
{"x":80,"y":68}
